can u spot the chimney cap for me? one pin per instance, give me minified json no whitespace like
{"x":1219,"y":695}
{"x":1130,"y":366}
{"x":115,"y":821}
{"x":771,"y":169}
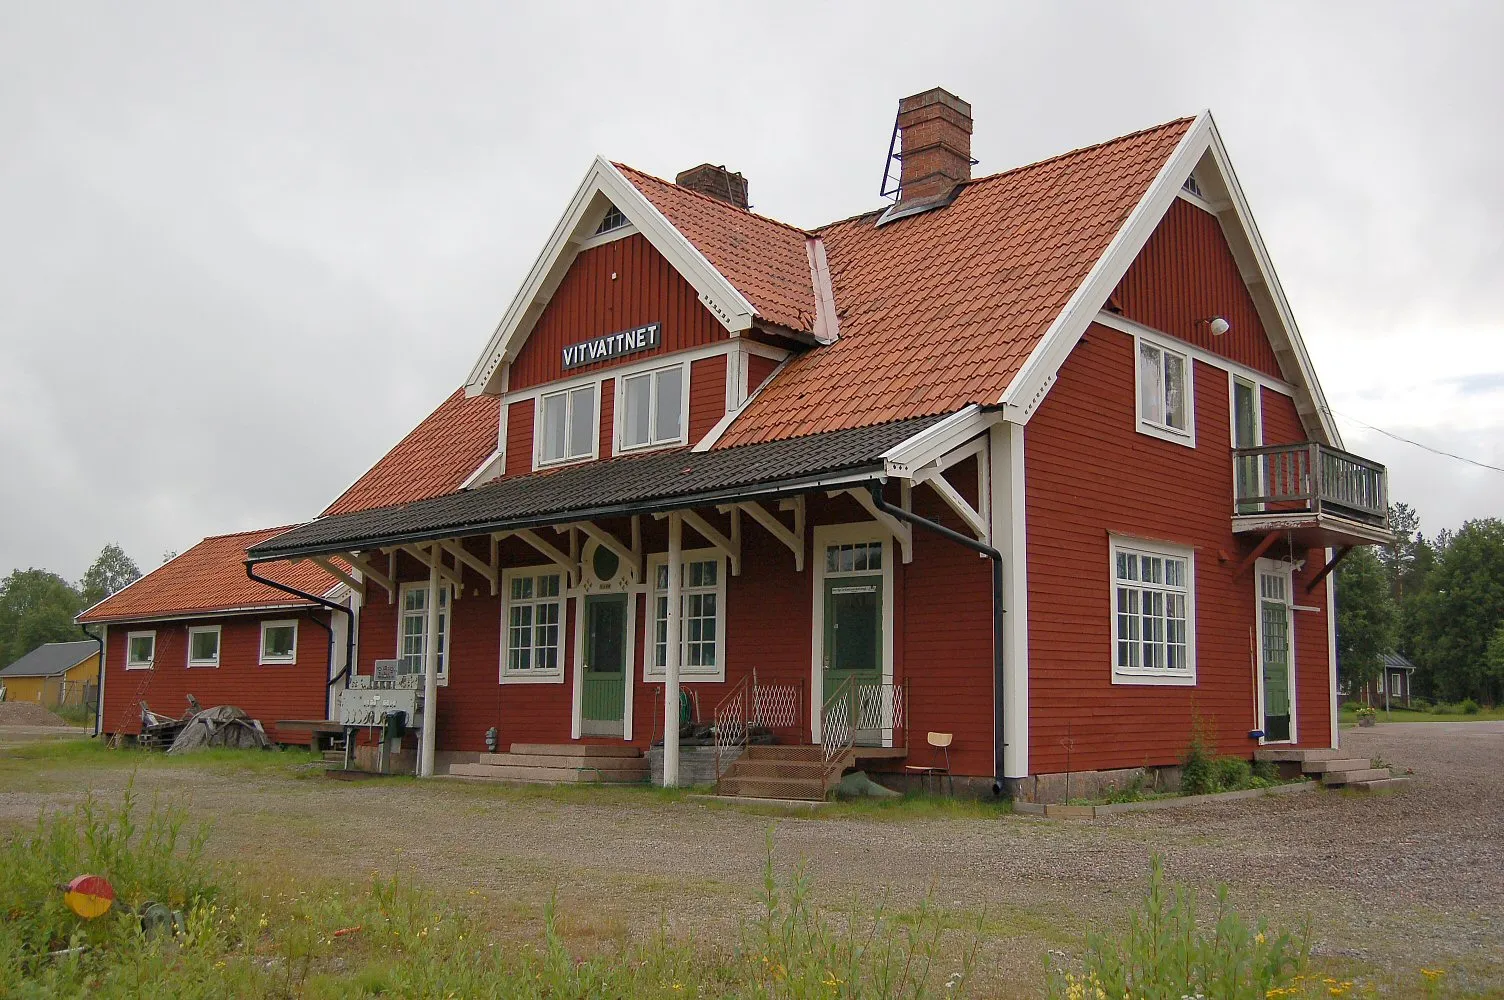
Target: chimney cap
{"x":933,"y":96}
{"x":717,"y":182}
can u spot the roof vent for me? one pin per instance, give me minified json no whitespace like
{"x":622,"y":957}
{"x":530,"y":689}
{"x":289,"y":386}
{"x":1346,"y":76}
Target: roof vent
{"x":717,"y":182}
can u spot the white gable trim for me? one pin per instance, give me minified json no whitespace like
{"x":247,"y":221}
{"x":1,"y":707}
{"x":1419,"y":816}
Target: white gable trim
{"x":603,"y":182}
{"x":1028,"y":387}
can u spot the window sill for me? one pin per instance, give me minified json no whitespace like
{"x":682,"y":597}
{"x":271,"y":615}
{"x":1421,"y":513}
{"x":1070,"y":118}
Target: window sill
{"x":1155,"y":679}
{"x":634,"y":449}
{"x":277,"y":663}
{"x":203,"y":665}
{"x":1186,"y":439}
{"x":561,"y":462}
{"x":140,"y":666}
{"x":552,"y":677}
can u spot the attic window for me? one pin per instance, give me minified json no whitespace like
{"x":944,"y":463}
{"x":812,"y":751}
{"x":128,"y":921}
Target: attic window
{"x":1191,"y":187}
{"x":613,"y":221}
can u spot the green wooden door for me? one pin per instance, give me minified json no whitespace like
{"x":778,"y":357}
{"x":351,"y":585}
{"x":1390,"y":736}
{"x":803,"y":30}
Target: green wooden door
{"x":854,"y":648}
{"x":1274,"y":655}
{"x":1245,"y":429}
{"x":605,"y":654}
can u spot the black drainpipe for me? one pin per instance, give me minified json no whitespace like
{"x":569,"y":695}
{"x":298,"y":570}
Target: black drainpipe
{"x":250,"y":571}
{"x":99,"y":685}
{"x":1000,"y":785}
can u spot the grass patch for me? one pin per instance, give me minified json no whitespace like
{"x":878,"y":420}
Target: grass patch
{"x":94,"y":754}
{"x":1437,"y":713}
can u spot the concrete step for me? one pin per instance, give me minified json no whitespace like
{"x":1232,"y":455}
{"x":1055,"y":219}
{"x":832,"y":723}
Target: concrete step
{"x":1379,"y":784}
{"x":1339,"y":764}
{"x":574,"y":750}
{"x":1283,"y":754}
{"x":563,"y":760}
{"x":1349,"y":777}
{"x":550,"y":775}
{"x":773,"y":788}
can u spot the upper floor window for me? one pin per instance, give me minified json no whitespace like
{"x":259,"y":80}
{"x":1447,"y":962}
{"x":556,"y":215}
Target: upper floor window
{"x":412,"y":634}
{"x":1154,"y":613}
{"x":652,"y":408}
{"x":140,"y":650}
{"x":203,"y":646}
{"x":567,"y":425}
{"x":1166,"y":408}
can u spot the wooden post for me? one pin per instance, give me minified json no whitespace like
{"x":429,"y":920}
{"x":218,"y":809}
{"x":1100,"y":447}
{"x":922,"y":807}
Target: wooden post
{"x":671,"y":653}
{"x":430,"y":667}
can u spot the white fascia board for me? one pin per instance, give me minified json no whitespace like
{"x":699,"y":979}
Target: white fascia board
{"x":909,"y":456}
{"x":1026,"y":390}
{"x":715,"y":291}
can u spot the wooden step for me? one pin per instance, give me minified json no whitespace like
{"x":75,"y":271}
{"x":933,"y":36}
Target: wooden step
{"x":809,"y":769}
{"x":1361,"y":774}
{"x":1379,"y":784}
{"x":574,"y":750}
{"x":774,"y":788}
{"x":550,"y":775}
{"x":1338,"y":764}
{"x":1284,"y":754}
{"x":788,"y":752}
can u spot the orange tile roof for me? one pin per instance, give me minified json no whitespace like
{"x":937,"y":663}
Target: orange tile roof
{"x":763,"y":259}
{"x":941,"y":309}
{"x":210,"y":577}
{"x":436,"y":457}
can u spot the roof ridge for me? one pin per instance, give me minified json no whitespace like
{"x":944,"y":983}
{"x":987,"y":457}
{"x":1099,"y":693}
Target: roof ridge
{"x":806,"y":233}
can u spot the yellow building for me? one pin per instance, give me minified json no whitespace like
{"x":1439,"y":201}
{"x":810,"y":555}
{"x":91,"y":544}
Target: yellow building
{"x":54,"y":674}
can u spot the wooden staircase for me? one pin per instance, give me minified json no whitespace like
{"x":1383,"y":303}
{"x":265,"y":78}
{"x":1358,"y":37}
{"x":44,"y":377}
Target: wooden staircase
{"x":795,"y":772}
{"x":1333,"y":769}
{"x":548,"y":763}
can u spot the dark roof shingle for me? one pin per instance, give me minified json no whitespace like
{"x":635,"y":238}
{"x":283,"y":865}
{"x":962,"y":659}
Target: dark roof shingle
{"x":52,"y":659}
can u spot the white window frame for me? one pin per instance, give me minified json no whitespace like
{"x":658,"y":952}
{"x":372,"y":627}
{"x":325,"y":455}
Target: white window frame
{"x":619,"y":409}
{"x":402,"y":591}
{"x":194,"y":630}
{"x":1164,"y":432}
{"x":1163,"y":550}
{"x":1396,"y":690}
{"x":539,"y":462}
{"x":651,"y":672}
{"x":265,"y":660}
{"x":533,"y":675}
{"x":133,"y":664}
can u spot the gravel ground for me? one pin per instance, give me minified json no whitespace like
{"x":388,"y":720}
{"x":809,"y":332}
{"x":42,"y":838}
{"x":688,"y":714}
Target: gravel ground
{"x":27,"y":713}
{"x":1390,"y":882}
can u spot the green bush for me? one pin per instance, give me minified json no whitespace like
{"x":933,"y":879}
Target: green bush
{"x":1443,"y":708}
{"x":1197,"y":769}
{"x":1164,"y":954}
{"x":1266,"y":771}
{"x":1351,"y":706}
{"x":1469,"y":707}
{"x":1232,"y":773}
{"x":1420,"y":704}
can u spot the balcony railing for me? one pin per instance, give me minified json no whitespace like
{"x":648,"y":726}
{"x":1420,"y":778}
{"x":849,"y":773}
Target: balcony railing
{"x":1309,"y":478}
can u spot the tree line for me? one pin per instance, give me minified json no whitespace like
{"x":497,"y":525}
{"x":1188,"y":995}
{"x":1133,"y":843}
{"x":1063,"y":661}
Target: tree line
{"x":38,"y":606}
{"x":1439,"y":601}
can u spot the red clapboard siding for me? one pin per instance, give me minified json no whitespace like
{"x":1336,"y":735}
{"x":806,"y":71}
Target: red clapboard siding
{"x":520,"y":437}
{"x":1186,"y":273}
{"x":610,"y":288}
{"x":758,"y":370}
{"x":607,"y":429}
{"x":1089,"y":472}
{"x":707,"y":395}
{"x":267,"y":693}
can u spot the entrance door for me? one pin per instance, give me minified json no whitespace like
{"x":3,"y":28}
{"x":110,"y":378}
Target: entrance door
{"x":854,"y":650}
{"x":1276,"y":675}
{"x":1245,"y":434}
{"x":604,"y":691}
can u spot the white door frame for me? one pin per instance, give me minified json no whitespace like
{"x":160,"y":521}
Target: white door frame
{"x":1285,"y":571}
{"x":629,"y":655}
{"x":835,"y":534}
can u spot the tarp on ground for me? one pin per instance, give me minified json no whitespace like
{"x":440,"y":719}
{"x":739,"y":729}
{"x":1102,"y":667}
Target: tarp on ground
{"x":221,"y":726}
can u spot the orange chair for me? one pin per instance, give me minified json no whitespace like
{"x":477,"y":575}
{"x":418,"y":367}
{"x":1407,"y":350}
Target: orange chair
{"x":941,"y":742}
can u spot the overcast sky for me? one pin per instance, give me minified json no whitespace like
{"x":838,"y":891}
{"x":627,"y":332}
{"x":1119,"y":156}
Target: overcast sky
{"x":244,"y":249}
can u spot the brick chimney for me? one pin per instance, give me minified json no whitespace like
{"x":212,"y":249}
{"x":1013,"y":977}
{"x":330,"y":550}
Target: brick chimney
{"x":935,"y":149}
{"x":718,"y":182}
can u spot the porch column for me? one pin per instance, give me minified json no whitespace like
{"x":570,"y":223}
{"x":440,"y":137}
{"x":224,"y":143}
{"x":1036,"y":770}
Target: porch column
{"x":671,"y":653}
{"x":430,"y":667}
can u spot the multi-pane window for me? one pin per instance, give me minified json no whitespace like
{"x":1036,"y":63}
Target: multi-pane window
{"x":203,"y":646}
{"x":653,"y":408}
{"x":412,"y":635}
{"x":567,"y":425}
{"x":614,"y":220}
{"x":279,"y":642}
{"x":700,"y":616}
{"x":856,"y":557}
{"x":1164,"y":398}
{"x":534,"y":613}
{"x":140,"y":650}
{"x":1153,"y":613}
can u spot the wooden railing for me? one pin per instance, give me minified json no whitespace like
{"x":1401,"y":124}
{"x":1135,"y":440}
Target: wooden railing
{"x":1312,"y":478}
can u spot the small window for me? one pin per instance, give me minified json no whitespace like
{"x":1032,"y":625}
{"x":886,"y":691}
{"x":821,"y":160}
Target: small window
{"x":653,"y":408}
{"x":1191,"y":187}
{"x":279,"y":642}
{"x":203,"y":646}
{"x":567,"y":430}
{"x":859,"y":557}
{"x":1154,"y":616}
{"x":140,"y":650}
{"x":701,"y":619}
{"x":614,"y":220}
{"x":1165,"y":405}
{"x":412,"y":637}
{"x":533,"y":617}
{"x":1396,"y":685}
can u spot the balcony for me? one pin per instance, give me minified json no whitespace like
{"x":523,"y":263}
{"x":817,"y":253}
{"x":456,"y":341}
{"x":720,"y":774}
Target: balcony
{"x":1319,"y":496}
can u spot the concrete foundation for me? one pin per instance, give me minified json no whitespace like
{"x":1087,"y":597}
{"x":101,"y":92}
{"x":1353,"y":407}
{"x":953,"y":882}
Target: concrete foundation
{"x":696,"y":765}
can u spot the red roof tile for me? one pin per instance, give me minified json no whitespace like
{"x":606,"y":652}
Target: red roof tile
{"x":763,"y":259}
{"x":436,"y":457}
{"x":942,"y":309}
{"x":210,"y":577}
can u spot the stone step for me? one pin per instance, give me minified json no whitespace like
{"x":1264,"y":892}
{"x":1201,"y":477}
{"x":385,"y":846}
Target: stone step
{"x":563,"y":760}
{"x":1283,"y":754}
{"x":549,"y":775}
{"x":574,"y":750}
{"x":1339,"y":764}
{"x":1348,"y":777}
{"x":1379,"y":784}
{"x":774,"y":788}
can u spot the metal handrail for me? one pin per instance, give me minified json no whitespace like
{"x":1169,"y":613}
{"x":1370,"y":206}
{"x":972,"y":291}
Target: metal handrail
{"x":836,"y":729}
{"x":730,"y":726}
{"x":1309,"y":477}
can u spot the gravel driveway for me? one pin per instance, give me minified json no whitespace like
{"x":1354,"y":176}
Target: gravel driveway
{"x":1391,"y":882}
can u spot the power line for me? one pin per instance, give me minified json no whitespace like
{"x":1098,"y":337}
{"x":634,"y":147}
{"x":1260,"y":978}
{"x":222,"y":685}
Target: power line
{"x":1417,"y":444}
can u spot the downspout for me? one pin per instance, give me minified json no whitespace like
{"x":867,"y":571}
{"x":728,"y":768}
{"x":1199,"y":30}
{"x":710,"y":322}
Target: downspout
{"x":250,"y":571}
{"x":99,"y":685}
{"x":1000,"y":785}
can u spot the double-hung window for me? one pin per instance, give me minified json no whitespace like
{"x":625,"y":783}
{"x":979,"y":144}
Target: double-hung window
{"x":566,"y":425}
{"x":1154,"y":613}
{"x":140,"y":650}
{"x":702,"y":617}
{"x":532,"y":619}
{"x":1165,"y":405}
{"x":203,"y":646}
{"x":279,"y":642}
{"x":652,"y":408}
{"x":412,"y":635}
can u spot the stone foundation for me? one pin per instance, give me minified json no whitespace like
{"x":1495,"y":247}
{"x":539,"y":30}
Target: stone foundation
{"x":696,"y":765}
{"x":1064,"y":786}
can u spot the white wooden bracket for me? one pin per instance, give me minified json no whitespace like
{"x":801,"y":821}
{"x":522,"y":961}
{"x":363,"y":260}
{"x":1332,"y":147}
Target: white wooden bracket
{"x":794,"y":538}
{"x":974,"y":519}
{"x":328,"y":567}
{"x":434,"y":557}
{"x":463,"y":558}
{"x":370,"y":572}
{"x":610,"y":541}
{"x":570,"y":566}
{"x":901,"y":531}
{"x":730,"y":547}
